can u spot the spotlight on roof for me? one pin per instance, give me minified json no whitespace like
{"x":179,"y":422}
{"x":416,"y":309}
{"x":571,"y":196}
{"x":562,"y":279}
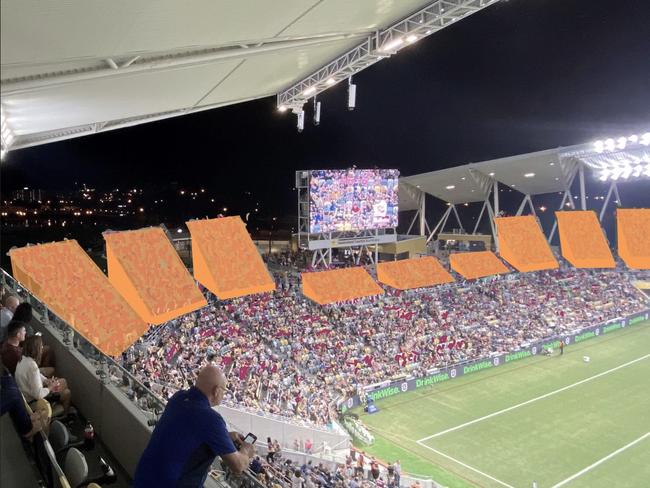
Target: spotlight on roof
{"x":300,"y":123}
{"x":529,"y":175}
{"x":331,"y":81}
{"x":282,"y":108}
{"x":412,"y":38}
{"x":392,"y":45}
{"x":352,"y":95}
{"x":450,"y":187}
{"x":316,"y":113}
{"x":309,"y":91}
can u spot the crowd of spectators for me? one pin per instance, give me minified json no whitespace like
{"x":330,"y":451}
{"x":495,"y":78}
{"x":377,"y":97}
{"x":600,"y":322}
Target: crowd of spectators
{"x":286,"y":356}
{"x":358,"y":471}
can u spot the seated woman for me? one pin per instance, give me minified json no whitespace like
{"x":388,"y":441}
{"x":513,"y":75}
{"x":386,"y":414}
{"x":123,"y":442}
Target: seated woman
{"x":33,"y":384}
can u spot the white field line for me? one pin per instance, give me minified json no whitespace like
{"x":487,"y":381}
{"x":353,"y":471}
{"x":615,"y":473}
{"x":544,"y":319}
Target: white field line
{"x":600,"y":461}
{"x":465,"y":465}
{"x":527,"y":402}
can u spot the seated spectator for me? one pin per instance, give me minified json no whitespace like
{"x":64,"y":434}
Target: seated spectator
{"x":11,"y":352}
{"x":24,"y":313}
{"x":33,"y":384}
{"x":9,"y":305}
{"x":297,"y":481}
{"x":188,"y":437}
{"x":11,"y":402}
{"x":256,"y":465}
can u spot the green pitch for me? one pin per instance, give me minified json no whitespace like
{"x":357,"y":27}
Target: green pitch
{"x":556,"y":420}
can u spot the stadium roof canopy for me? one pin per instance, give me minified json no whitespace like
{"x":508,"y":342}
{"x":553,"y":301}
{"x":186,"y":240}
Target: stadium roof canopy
{"x":534,"y":173}
{"x":76,"y":67}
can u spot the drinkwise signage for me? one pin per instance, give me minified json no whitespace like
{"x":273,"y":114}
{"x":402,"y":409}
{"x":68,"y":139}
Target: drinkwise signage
{"x":451,"y":372}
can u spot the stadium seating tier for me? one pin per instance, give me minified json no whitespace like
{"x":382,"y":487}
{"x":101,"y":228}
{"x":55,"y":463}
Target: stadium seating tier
{"x":339,"y":285}
{"x":523,"y":245}
{"x":413,"y":273}
{"x":144,"y":267}
{"x":472,"y":265}
{"x":64,"y":277}
{"x":633,"y":231}
{"x":582,"y":240}
{"x":226,"y":260}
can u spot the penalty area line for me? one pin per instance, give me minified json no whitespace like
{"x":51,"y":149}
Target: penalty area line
{"x":527,"y":402}
{"x":600,"y":461}
{"x":471,"y":468}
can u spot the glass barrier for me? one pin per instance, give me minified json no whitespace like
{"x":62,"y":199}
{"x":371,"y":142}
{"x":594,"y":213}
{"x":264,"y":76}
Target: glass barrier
{"x":108,"y":371}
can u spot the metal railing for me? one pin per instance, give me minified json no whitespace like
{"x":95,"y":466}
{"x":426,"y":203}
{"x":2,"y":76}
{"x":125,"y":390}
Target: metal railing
{"x":108,"y":371}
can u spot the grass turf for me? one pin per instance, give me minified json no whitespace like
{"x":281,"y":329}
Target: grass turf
{"x":547,"y":440}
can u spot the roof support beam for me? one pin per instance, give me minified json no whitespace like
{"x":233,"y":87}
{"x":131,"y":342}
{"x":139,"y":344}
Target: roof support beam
{"x":382,"y":44}
{"x":157,"y":62}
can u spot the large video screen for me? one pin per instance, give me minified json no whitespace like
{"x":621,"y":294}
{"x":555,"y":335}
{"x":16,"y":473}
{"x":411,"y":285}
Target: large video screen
{"x":352,"y":199}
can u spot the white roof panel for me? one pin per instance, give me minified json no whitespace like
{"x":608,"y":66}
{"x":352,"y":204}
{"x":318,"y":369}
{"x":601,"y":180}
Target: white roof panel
{"x":75,"y":67}
{"x":532,"y":174}
{"x":460,"y":184}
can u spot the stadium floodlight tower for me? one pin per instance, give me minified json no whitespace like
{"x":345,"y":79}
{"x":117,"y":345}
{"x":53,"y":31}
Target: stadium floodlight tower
{"x":346,"y":208}
{"x":615,"y":160}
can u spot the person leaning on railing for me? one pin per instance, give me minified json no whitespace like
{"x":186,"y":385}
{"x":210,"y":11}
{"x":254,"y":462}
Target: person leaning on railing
{"x":188,"y":437}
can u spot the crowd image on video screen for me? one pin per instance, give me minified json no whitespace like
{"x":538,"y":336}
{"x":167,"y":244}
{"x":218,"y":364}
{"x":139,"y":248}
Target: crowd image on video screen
{"x":353,"y":199}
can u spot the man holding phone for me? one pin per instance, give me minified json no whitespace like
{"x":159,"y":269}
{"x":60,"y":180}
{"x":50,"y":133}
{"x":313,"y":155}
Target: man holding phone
{"x":189,"y":435}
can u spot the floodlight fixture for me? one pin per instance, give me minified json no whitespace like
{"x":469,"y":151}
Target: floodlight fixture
{"x":352,"y":95}
{"x":316,"y":112}
{"x":450,"y":187}
{"x":529,"y":175}
{"x":282,"y":108}
{"x":412,"y":38}
{"x":309,"y":91}
{"x":392,"y":45}
{"x":300,"y":121}
{"x":610,"y":144}
{"x":331,"y":81}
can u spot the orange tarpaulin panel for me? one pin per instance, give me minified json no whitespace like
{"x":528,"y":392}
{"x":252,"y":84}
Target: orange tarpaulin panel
{"x":634,"y":236}
{"x":226,"y":260}
{"x":339,"y":285}
{"x":472,"y":265}
{"x":144,"y":267}
{"x":523,"y":245}
{"x":63,"y":276}
{"x":583,"y":240}
{"x":413,"y":273}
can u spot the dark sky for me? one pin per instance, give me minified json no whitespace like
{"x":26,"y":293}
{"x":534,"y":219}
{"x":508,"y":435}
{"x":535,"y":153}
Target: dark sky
{"x":520,"y":76}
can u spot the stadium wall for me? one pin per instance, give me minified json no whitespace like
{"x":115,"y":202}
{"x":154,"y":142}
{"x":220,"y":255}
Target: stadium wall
{"x":389,"y":389}
{"x":282,"y":430}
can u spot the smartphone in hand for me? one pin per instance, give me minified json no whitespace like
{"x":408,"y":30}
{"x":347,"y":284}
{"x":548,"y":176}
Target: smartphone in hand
{"x":250,"y":438}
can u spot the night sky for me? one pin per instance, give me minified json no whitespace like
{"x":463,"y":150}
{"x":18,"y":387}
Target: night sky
{"x":519,"y":76}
